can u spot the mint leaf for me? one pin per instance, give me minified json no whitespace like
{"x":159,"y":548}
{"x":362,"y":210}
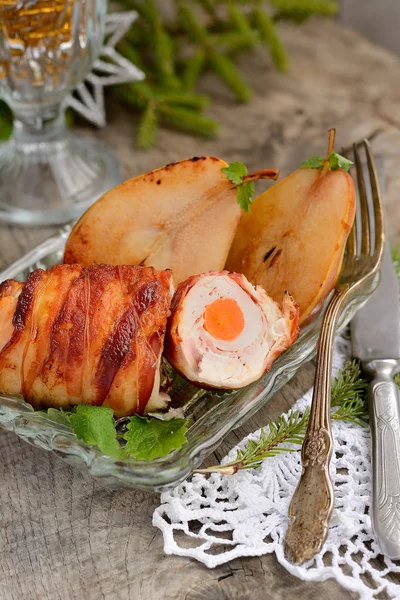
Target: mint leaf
{"x":245,"y":194}
{"x":336,"y":161}
{"x":315,"y":162}
{"x":57,"y":415}
{"x":95,"y":426}
{"x":149,"y":438}
{"x":245,"y":191}
{"x":235,"y":172}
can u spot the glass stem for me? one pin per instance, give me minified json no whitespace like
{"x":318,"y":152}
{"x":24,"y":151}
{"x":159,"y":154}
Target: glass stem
{"x":46,"y":125}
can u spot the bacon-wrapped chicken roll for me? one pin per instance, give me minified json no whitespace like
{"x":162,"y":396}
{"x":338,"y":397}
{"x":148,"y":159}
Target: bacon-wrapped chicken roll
{"x":71,"y":335}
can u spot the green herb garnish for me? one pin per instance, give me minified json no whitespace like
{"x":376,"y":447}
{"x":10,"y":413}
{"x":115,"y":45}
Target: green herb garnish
{"x":349,"y":403}
{"x":336,"y":161}
{"x":332,"y":162}
{"x":235,"y":172}
{"x":148,"y":438}
{"x":95,"y":426}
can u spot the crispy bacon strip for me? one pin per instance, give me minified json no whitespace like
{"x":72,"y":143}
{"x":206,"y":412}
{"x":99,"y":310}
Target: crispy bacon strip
{"x":9,"y":292}
{"x":71,"y":335}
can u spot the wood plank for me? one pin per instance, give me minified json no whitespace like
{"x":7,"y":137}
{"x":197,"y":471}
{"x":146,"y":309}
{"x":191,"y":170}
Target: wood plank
{"x":64,"y":535}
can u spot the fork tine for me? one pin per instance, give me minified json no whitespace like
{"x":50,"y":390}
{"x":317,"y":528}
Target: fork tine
{"x":377,"y":202}
{"x":364,"y":210}
{"x":351,"y":245}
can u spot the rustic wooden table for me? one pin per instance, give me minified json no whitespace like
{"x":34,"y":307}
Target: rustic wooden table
{"x":65,"y":536}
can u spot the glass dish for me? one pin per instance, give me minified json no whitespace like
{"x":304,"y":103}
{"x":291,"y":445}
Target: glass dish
{"x":212,"y":414}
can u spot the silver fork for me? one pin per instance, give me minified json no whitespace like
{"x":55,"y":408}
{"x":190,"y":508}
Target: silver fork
{"x":312,"y":502}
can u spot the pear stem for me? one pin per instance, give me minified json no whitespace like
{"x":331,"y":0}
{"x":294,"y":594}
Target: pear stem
{"x":262,"y":174}
{"x":331,"y":144}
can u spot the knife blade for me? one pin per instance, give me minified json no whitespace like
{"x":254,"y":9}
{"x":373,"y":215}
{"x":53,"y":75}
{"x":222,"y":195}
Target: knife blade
{"x":375,"y":328}
{"x":375,"y":334}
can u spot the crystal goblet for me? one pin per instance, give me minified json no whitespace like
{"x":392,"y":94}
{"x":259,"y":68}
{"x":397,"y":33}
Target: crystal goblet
{"x":47,"y":47}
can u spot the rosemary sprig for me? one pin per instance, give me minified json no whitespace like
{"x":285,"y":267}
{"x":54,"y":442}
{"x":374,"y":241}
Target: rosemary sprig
{"x":285,"y":430}
{"x":348,"y":402}
{"x":348,"y":395}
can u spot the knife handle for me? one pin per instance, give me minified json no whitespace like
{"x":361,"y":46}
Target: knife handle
{"x":384,"y":404}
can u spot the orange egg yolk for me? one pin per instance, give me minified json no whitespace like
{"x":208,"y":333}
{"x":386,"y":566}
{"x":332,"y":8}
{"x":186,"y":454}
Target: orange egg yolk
{"x":224,"y":319}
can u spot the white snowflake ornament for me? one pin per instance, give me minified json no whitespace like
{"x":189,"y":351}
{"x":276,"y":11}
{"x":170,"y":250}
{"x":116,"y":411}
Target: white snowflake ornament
{"x":88,"y":97}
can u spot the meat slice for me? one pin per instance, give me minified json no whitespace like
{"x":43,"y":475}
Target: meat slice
{"x":225,"y":333}
{"x":9,"y":292}
{"x":95,"y":336}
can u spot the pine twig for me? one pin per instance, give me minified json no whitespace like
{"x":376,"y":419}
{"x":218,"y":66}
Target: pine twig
{"x":396,"y":261}
{"x":6,"y":121}
{"x":348,"y":402}
{"x":286,"y":430}
{"x":147,"y":127}
{"x":220,"y":64}
{"x":193,"y":68}
{"x":300,"y":10}
{"x":194,"y":101}
{"x":349,"y":395}
{"x":270,"y":36}
{"x":188,"y":120}
{"x":230,"y":75}
{"x":232,"y":42}
{"x":238,"y":19}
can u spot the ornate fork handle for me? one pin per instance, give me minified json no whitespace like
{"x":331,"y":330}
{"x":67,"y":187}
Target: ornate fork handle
{"x":312,"y":502}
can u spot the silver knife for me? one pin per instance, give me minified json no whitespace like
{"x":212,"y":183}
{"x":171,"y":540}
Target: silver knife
{"x":375,"y":334}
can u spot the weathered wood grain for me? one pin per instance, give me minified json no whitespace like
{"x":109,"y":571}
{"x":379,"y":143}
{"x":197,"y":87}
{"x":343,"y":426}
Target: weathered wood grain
{"x":63,"y":535}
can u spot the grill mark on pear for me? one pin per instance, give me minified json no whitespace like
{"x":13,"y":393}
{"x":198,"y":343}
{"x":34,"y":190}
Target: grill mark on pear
{"x":268,"y":254}
{"x":275,"y":257}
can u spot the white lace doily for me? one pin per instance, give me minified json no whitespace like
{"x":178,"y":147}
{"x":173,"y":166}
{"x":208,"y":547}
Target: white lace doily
{"x":218,"y":518}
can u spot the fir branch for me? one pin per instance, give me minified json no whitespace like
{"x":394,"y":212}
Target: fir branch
{"x":193,"y":68}
{"x":396,"y":261}
{"x":235,"y":41}
{"x":147,"y":127}
{"x":222,"y":65}
{"x":129,"y":52}
{"x":397,"y":379}
{"x":269,"y":35}
{"x":164,"y":58}
{"x":285,"y":430}
{"x":69,"y":117}
{"x":190,"y":23}
{"x":195,"y":101}
{"x":174,"y":50}
{"x":188,"y":120}
{"x":238,"y":19}
{"x":226,"y":70}
{"x":348,"y":403}
{"x":349,"y":395}
{"x":300,"y":10}
{"x":135,"y":94}
{"x":6,"y":121}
